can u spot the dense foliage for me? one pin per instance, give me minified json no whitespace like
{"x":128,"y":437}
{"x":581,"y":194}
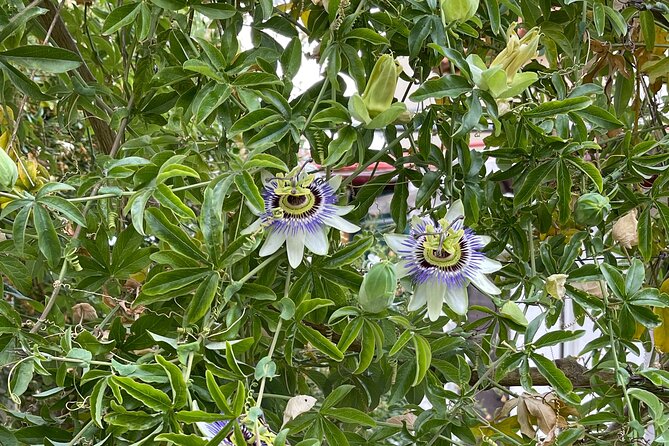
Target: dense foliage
{"x":143,"y":295}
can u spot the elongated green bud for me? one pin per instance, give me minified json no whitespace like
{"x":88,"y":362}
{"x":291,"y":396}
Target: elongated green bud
{"x":380,"y":90}
{"x":378,"y":288}
{"x":518,"y":51}
{"x":458,"y":10}
{"x":9,"y":173}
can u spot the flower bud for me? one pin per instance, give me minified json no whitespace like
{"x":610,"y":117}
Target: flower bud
{"x":381,"y":85}
{"x":9,"y":173}
{"x":624,"y":230}
{"x":458,"y":10}
{"x":518,"y":51}
{"x":378,"y":288}
{"x":591,"y":209}
{"x":555,"y":285}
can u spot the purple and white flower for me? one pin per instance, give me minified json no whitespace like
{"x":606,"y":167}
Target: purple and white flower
{"x":298,"y":211}
{"x":443,"y":258}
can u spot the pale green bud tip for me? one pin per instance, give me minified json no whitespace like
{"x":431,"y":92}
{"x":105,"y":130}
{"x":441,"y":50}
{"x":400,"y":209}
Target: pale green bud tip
{"x":378,"y":288}
{"x":381,"y":85}
{"x":9,"y":173}
{"x":458,"y":10}
{"x":555,"y":285}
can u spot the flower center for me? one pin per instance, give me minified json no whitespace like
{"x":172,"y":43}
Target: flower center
{"x":442,"y":258}
{"x":297,"y":205}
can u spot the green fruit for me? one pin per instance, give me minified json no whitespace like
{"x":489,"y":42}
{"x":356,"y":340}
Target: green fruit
{"x":378,"y":288}
{"x":591,"y":209}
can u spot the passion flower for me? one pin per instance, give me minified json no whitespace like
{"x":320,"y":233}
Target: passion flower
{"x":210,"y":430}
{"x":298,"y":211}
{"x":443,"y":258}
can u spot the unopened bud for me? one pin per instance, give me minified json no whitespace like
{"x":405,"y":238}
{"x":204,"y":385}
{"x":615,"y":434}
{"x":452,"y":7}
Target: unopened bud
{"x":378,"y":288}
{"x":591,"y":209}
{"x":555,"y":285}
{"x":458,"y":10}
{"x":380,"y":90}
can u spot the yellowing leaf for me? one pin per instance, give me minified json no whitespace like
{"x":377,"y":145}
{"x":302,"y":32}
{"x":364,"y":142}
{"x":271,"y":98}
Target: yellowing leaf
{"x":661,"y":333}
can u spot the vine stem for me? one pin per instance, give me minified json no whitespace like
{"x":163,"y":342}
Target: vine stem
{"x":272,"y":346}
{"x":57,"y":285}
{"x":612,"y":340}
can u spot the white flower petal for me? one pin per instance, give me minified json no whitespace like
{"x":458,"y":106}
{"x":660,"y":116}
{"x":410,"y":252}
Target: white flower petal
{"x":396,"y":241}
{"x":480,"y":281}
{"x":253,"y":227}
{"x":435,"y":300}
{"x":457,"y":210}
{"x":273,"y":241}
{"x":295,"y":247}
{"x":206,"y":429}
{"x":335,"y":182}
{"x":343,"y":210}
{"x":489,"y":266}
{"x":419,"y":298}
{"x":339,"y":223}
{"x":317,"y":242}
{"x":402,"y":269}
{"x":484,"y":239}
{"x":457,"y":299}
{"x":266,"y":176}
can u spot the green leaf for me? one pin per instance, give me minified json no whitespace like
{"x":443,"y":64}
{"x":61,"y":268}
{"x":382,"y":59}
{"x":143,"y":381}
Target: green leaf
{"x":645,"y":231}
{"x":449,"y":85}
{"x":120,"y":17}
{"x":47,"y":238}
{"x":248,"y":188}
{"x":423,"y":358}
{"x":23,"y":83}
{"x":308,"y":305}
{"x":145,"y":393}
{"x":555,"y":377}
{"x":216,"y":11}
{"x":97,"y":401}
{"x":350,"y":334}
{"x":64,"y":207}
{"x":266,"y":161}
{"x":590,"y":170}
{"x":320,"y":342}
{"x":341,"y":146}
{"x":170,"y":200}
{"x":216,"y":394}
{"x":19,"y":228}
{"x":202,"y":301}
{"x":647,"y":28}
{"x":198,"y":416}
{"x":182,"y":439}
{"x":614,"y":279}
{"x":600,"y":118}
{"x":350,"y":253}
{"x":42,"y":57}
{"x":553,"y":108}
{"x":173,"y":235}
{"x":368,"y":347}
{"x":168,"y":281}
{"x":368,"y":35}
{"x":635,"y":277}
{"x":336,"y":396}
{"x":564,"y":191}
{"x":18,"y":20}
{"x":557,"y":337}
{"x":532,"y":182}
{"x":177,"y":382}
{"x":349,"y":415}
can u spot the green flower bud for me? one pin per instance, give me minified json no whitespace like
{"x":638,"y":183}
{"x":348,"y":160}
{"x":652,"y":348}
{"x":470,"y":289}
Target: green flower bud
{"x":381,"y":85}
{"x":518,"y":51}
{"x":591,"y":209}
{"x":378,"y":288}
{"x":9,"y":173}
{"x":458,"y":10}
